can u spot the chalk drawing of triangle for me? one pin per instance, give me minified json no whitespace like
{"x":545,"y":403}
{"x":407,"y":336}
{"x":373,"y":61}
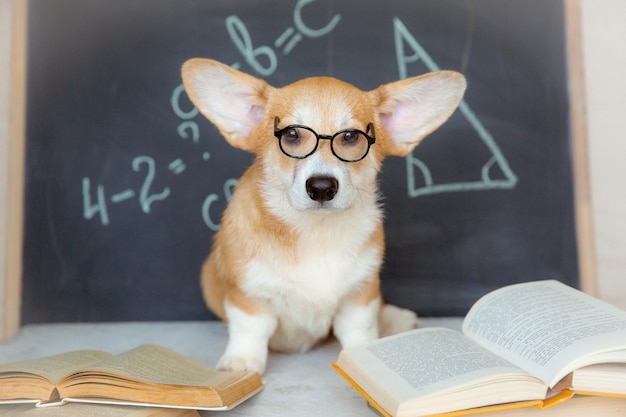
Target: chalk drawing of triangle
{"x":506,"y":177}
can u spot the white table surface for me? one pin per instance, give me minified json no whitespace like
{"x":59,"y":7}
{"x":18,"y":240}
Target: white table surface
{"x":296,"y":385}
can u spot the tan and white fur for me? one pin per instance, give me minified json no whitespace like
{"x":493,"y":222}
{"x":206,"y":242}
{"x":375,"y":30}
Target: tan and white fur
{"x":285,"y":269}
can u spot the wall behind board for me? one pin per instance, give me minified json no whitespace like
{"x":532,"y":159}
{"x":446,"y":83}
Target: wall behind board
{"x":606,"y":93}
{"x":125,"y":182}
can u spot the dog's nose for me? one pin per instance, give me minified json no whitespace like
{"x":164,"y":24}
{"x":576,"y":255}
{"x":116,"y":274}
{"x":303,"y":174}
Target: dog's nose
{"x":322,"y":189}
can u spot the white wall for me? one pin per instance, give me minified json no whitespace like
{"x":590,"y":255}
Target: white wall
{"x":604,"y":44}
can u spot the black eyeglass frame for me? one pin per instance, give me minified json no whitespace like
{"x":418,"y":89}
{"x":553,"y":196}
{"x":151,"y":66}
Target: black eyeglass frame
{"x":370,"y":139}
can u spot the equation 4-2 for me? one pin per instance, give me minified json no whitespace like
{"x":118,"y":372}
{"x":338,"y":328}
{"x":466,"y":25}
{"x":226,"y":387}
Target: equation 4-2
{"x":146,"y":195}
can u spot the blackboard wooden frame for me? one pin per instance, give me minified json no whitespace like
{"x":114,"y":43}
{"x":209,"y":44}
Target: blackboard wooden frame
{"x":11,"y":280}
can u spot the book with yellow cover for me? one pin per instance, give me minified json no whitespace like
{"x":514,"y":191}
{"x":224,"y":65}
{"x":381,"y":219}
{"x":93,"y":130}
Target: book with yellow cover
{"x":149,"y":375}
{"x":531,"y":344}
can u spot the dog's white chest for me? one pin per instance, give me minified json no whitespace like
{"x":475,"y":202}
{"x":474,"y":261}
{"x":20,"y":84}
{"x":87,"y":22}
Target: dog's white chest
{"x":319,"y":277}
{"x":306,"y":291}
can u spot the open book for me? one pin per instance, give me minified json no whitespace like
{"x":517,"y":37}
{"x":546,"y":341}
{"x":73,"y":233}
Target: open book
{"x":148,"y":375}
{"x":535,"y":343}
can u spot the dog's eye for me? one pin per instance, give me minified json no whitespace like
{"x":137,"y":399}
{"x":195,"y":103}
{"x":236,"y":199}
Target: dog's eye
{"x":291,"y":135}
{"x":350,"y":138}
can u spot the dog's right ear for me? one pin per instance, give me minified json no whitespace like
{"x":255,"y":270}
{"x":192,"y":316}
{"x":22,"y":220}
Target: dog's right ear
{"x":232,"y":100}
{"x":412,"y":108}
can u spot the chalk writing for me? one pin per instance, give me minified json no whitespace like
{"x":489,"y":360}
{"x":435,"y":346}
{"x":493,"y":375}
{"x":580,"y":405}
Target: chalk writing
{"x":187,"y":124}
{"x":212,"y":198}
{"x":175,"y":103}
{"x":402,"y":38}
{"x":89,"y":209}
{"x":177,"y":166}
{"x":241,"y":38}
{"x":144,"y":163}
{"x":287,"y":40}
{"x":193,"y":127}
{"x":146,"y":195}
{"x":123,"y":196}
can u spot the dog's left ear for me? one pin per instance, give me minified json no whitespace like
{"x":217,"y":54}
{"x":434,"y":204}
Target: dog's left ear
{"x":410,"y":109}
{"x":232,"y":100}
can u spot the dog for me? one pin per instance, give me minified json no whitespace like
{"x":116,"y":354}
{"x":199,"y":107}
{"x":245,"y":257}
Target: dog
{"x":301,"y":241}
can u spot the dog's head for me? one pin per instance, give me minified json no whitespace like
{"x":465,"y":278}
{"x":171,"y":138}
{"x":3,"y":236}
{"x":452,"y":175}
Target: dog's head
{"x":321,"y":141}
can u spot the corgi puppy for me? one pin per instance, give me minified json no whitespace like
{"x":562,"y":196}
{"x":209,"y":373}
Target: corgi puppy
{"x":301,"y":242}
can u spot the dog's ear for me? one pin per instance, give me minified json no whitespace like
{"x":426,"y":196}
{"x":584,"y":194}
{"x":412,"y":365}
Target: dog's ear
{"x":232,"y":100}
{"x":410,"y":109}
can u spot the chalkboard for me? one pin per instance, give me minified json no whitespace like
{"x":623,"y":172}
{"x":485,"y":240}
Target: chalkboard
{"x":125,"y":181}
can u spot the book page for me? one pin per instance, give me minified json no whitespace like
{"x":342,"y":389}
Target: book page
{"x":425,"y":362}
{"x":153,"y":363}
{"x":544,"y":326}
{"x":54,"y":368}
{"x":601,"y":378}
{"x":427,"y":359}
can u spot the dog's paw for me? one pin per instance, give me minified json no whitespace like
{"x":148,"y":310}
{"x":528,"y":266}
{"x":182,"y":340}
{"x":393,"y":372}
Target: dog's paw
{"x":241,"y":363}
{"x":393,"y":320}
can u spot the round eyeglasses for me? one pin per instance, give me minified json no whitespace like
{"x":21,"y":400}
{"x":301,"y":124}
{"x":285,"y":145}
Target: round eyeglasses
{"x":349,"y":145}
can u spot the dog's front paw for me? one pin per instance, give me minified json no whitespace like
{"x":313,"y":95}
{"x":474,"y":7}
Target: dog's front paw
{"x":393,"y":320}
{"x":241,"y":363}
